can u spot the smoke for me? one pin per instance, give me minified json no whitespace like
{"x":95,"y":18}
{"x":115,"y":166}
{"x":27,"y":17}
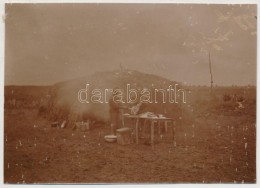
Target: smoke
{"x":65,"y":103}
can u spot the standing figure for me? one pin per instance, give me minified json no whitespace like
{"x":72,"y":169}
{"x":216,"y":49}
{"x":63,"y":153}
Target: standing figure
{"x":114,"y":111}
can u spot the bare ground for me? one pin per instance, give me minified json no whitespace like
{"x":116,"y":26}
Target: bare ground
{"x":213,"y":148}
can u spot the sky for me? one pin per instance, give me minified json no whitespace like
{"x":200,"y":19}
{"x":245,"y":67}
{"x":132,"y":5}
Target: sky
{"x":49,"y":43}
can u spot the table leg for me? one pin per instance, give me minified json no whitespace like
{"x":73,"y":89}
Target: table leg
{"x":123,"y":121}
{"x":152,"y":134}
{"x":165,"y":126}
{"x":144,"y":127}
{"x":173,"y":132}
{"x":136,"y":130}
{"x":159,"y":128}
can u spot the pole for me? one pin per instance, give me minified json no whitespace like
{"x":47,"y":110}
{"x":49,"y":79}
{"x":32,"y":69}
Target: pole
{"x":211,"y":76}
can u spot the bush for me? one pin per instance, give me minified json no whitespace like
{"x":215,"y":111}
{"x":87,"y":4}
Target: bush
{"x":226,"y":97}
{"x":42,"y":111}
{"x":240,"y":99}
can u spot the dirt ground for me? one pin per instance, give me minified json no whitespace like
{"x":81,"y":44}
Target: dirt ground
{"x":214,"y":147}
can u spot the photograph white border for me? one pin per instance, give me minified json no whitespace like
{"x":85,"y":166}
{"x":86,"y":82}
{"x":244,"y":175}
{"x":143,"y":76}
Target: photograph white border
{"x":2,"y":62}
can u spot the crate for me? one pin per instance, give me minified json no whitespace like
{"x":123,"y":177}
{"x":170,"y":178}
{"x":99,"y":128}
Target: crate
{"x":123,"y":136}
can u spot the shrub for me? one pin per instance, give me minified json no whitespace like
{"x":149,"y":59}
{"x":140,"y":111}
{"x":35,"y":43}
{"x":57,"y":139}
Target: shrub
{"x":226,"y":97}
{"x":240,"y":99}
{"x":42,"y":111}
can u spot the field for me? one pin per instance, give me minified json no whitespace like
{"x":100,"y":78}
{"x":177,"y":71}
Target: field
{"x":215,"y":142}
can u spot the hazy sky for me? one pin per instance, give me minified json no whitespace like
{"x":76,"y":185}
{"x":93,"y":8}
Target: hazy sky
{"x":48,"y":43}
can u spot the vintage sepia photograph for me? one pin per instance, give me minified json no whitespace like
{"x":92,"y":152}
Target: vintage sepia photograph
{"x":108,"y":93}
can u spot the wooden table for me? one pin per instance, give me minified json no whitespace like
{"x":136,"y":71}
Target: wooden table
{"x":153,"y":121}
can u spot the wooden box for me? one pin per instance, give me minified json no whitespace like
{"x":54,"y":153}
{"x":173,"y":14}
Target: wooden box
{"x":123,"y":136}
